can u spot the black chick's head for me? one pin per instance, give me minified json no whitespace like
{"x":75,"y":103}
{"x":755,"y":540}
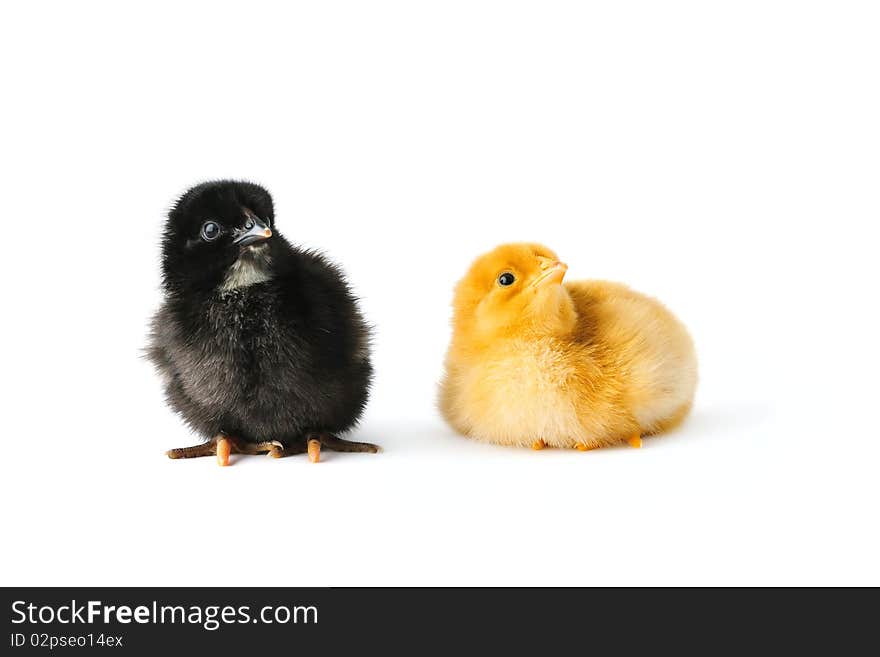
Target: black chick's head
{"x":210,"y":228}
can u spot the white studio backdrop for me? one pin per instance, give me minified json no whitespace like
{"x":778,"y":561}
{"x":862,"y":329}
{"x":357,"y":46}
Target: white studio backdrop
{"x":720,"y":156}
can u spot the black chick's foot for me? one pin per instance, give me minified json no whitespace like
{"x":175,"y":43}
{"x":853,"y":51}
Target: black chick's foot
{"x":316,"y":440}
{"x":223,"y":445}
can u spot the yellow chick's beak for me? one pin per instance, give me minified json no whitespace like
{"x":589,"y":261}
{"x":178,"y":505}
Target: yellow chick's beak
{"x":553,"y":273}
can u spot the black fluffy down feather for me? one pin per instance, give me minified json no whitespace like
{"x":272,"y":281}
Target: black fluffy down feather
{"x":262,"y":342}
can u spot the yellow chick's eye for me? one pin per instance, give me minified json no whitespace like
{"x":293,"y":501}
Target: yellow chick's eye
{"x":506,"y":279}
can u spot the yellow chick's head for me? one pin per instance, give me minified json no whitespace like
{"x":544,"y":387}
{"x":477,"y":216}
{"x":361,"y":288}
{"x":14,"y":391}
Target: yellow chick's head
{"x":514,"y":290}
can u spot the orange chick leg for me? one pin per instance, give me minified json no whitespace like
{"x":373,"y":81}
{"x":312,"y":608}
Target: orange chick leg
{"x":539,"y":444}
{"x":583,"y":447}
{"x":635,"y":440}
{"x":224,"y":447}
{"x":314,"y":448}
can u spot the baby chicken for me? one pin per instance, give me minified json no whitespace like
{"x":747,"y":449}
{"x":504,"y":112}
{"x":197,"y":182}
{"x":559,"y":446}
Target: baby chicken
{"x":261,"y":344}
{"x":583,"y":365}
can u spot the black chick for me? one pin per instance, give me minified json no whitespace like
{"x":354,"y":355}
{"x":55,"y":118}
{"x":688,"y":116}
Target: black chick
{"x":261,"y":344}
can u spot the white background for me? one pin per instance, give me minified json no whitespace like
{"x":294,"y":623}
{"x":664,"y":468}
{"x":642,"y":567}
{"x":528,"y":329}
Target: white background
{"x":723,"y":157}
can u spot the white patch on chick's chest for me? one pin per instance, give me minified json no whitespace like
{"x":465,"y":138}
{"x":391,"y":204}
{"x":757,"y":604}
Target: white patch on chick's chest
{"x":250,"y":269}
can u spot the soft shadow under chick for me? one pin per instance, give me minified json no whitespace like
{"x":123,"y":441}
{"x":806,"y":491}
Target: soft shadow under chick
{"x":261,"y":345}
{"x":583,"y":365}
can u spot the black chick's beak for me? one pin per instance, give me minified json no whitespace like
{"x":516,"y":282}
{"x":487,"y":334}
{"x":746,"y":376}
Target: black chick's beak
{"x":254,"y":231}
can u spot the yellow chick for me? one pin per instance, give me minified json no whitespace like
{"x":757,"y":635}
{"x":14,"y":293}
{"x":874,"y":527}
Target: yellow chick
{"x":583,"y":365}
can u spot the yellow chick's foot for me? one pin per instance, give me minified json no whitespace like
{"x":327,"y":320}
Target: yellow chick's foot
{"x":583,"y":447}
{"x":539,"y":444}
{"x":635,"y":440}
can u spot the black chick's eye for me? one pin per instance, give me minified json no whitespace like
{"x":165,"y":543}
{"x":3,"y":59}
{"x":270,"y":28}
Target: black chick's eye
{"x":210,"y":231}
{"x":249,"y":224}
{"x":506,"y":279}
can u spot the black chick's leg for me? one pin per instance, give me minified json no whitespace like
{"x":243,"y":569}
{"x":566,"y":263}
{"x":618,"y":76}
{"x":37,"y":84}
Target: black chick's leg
{"x":289,"y":450}
{"x":335,"y":444}
{"x":315,"y":441}
{"x":223,"y":445}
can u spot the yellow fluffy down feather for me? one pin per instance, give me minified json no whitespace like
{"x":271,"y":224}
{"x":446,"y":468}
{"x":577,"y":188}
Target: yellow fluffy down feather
{"x":584,"y":364}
